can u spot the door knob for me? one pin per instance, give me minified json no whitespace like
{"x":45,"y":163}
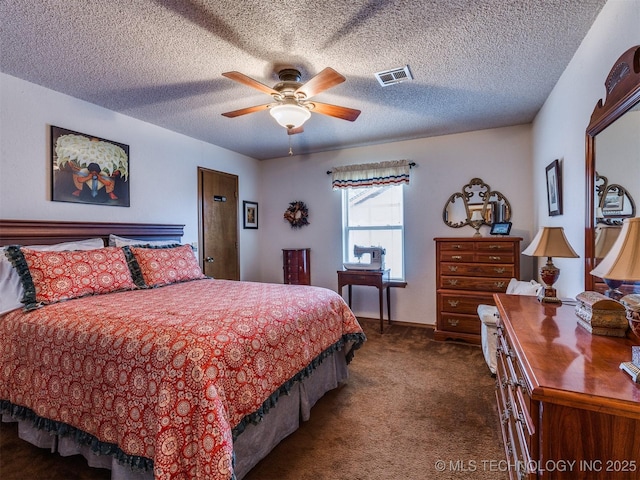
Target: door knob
{"x":209,"y":259}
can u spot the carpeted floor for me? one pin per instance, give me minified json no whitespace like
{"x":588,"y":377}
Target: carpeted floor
{"x":412,"y":409}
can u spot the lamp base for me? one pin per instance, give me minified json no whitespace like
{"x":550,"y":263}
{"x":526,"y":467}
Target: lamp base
{"x":549,"y":274}
{"x":548,"y":295}
{"x":613,"y":291}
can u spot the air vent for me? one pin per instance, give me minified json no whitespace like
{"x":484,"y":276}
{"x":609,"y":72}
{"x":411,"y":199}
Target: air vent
{"x":396,"y":75}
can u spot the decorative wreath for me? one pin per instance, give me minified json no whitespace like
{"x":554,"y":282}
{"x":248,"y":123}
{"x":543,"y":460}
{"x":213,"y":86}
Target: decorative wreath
{"x":297,"y":214}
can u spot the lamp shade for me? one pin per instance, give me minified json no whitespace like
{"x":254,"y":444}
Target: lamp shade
{"x":623,"y":260}
{"x":606,"y":236}
{"x":550,"y":242}
{"x":290,"y":116}
{"x":476,"y":216}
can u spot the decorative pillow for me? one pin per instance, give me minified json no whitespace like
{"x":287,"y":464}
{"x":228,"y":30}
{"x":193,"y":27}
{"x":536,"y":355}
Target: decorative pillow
{"x":517,"y":287}
{"x":163,"y":266}
{"x":116,"y":241}
{"x":11,"y":291}
{"x":49,"y":277}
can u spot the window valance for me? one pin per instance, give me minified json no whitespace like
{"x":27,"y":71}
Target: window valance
{"x":392,"y":172}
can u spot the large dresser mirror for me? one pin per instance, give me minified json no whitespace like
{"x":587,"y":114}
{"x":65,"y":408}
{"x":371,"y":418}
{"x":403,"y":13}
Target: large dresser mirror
{"x":612,"y":162}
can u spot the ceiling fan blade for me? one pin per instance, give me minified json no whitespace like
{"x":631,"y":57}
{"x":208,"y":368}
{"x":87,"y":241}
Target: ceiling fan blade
{"x":250,"y":82}
{"x":326,"y":79}
{"x":293,"y":131}
{"x":244,"y":111}
{"x":336,"y":111}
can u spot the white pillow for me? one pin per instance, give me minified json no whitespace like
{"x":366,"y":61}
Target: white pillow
{"x":517,"y":287}
{"x":11,"y":290}
{"x":116,"y":241}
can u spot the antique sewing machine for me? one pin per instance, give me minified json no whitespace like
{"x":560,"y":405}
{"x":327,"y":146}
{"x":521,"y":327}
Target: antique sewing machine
{"x":376,"y":258}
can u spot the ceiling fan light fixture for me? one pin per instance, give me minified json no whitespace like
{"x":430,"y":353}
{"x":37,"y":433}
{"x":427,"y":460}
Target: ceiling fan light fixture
{"x":290,"y":116}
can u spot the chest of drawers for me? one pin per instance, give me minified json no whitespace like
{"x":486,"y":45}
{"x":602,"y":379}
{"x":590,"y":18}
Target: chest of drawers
{"x":296,"y":266}
{"x":566,"y":409}
{"x":468,"y":272}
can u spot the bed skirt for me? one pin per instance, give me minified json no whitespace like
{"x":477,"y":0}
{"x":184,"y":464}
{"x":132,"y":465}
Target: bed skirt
{"x":255,"y":442}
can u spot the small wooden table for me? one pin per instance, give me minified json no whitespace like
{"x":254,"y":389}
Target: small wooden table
{"x":373,"y":278}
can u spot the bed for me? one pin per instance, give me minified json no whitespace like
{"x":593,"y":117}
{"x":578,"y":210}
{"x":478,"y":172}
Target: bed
{"x":169,"y":376}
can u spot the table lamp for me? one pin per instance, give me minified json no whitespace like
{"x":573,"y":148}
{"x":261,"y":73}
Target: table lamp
{"x":550,"y":242}
{"x":622,"y":263}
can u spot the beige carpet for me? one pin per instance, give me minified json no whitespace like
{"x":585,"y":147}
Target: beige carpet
{"x":412,"y":409}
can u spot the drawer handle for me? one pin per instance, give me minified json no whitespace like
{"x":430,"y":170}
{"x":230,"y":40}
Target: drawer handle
{"x":506,"y":413}
{"x":525,"y":420}
{"x":453,"y":281}
{"x":456,"y":247}
{"x":456,"y":257}
{"x":495,"y":247}
{"x":453,"y":268}
{"x":499,"y":284}
{"x":454,"y":303}
{"x":499,"y":269}
{"x":453,"y":322}
{"x":494,"y":257}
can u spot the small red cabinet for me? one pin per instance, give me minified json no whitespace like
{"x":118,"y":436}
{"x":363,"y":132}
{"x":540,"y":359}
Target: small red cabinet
{"x":296,"y":266}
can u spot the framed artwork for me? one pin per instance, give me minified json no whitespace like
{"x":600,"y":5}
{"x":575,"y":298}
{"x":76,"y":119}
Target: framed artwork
{"x":613,"y":202}
{"x":88,"y":169}
{"x":250,"y":214}
{"x":554,"y":188}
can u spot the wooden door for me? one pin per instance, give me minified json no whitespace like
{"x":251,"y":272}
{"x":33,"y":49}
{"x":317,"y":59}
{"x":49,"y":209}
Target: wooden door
{"x":218,"y":208}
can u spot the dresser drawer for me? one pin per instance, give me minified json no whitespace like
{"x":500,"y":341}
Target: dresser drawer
{"x":477,"y":270}
{"x":496,"y":246}
{"x":468,"y":304}
{"x":458,"y":246}
{"x":471,"y":283}
{"x":494,"y":257}
{"x":453,"y":256}
{"x":460,"y":323}
{"x":471,"y":257}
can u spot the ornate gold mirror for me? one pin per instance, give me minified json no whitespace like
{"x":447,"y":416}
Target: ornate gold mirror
{"x":476,"y":205}
{"x":613,"y":180}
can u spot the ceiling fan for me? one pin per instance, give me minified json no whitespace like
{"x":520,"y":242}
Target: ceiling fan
{"x":291,"y":106}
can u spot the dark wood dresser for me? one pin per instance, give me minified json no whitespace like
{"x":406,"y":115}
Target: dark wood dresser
{"x":296,"y":265}
{"x":567,"y":411}
{"x":468,"y":272}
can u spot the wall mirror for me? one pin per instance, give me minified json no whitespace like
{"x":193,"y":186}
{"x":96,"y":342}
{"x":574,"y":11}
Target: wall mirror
{"x":476,"y":205}
{"x":612,"y":162}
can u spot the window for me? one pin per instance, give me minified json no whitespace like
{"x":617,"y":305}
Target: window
{"x":374,"y":216}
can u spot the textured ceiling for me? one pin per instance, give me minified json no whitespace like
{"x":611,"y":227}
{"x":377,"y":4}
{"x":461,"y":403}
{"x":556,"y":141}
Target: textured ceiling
{"x":477,"y":63}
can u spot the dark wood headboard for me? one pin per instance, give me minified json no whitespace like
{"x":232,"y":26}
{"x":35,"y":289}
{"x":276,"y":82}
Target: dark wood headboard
{"x":42,"y":232}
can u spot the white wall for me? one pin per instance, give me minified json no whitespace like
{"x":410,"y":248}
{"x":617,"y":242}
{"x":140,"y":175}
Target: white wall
{"x":163,"y":165}
{"x":559,"y":128}
{"x":500,"y":157}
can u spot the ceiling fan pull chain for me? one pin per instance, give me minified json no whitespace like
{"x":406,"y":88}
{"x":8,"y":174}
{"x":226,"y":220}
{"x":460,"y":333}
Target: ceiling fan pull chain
{"x":290,"y":150}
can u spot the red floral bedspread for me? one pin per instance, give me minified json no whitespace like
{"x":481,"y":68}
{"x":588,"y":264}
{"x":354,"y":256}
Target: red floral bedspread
{"x":167,"y":373}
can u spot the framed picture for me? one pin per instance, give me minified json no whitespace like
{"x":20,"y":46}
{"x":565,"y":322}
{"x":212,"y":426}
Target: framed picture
{"x":500,"y":228}
{"x":250,"y":214}
{"x":554,"y":188}
{"x":613,"y":202}
{"x":88,"y":169}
